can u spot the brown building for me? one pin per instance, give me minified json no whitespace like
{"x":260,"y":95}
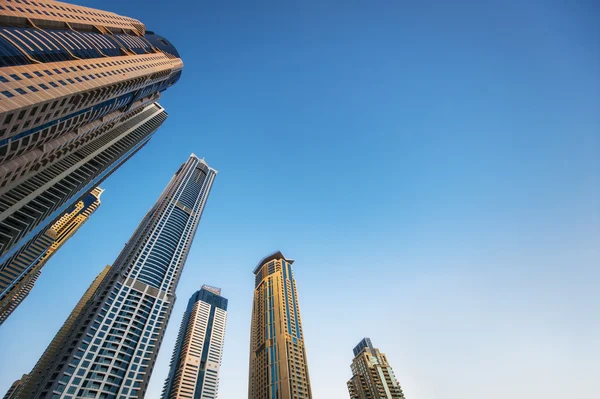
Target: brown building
{"x":78,"y":97}
{"x":372,"y":375}
{"x":278,"y":366}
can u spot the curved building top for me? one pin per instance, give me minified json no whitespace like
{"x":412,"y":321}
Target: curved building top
{"x":268,"y":258}
{"x":55,"y":14}
{"x":161,"y":43}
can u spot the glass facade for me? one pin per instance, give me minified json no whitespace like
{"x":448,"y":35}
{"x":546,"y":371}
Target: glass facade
{"x":26,"y":208}
{"x":111,"y":349}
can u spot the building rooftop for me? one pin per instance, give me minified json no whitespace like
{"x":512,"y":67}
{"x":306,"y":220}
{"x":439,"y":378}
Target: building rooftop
{"x":214,"y":290}
{"x":364,"y":343}
{"x":192,"y":155}
{"x":268,"y":258}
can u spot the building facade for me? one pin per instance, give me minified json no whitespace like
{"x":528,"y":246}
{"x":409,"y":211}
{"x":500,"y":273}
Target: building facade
{"x":197,"y":356}
{"x":278,"y":366}
{"x":78,"y":92}
{"x":372,"y":375}
{"x":18,"y":276}
{"x":31,"y":382}
{"x":110,"y":350}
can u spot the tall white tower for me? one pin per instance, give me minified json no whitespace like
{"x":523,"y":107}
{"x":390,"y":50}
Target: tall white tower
{"x":197,"y":355}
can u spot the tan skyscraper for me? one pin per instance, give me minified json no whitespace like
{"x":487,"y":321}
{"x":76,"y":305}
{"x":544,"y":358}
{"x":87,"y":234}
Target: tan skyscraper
{"x":278,"y":366}
{"x":19,"y":276}
{"x":372,"y":375}
{"x":78,"y":97}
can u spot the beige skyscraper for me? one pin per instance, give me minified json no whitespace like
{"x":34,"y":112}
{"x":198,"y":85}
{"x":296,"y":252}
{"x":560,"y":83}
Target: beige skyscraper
{"x":78,"y":97}
{"x":278,"y":366}
{"x":18,"y":276}
{"x":372,"y":375}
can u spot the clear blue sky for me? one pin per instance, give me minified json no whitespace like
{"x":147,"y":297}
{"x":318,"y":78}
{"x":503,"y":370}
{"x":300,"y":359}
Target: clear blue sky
{"x":432,"y":166}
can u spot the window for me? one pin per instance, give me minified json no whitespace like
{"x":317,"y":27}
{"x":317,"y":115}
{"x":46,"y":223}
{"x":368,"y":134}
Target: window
{"x":15,"y":76}
{"x":20,"y":91}
{"x":3,"y":79}
{"x":32,"y":88}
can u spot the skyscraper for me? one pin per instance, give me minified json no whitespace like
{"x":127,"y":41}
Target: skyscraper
{"x":111,"y":347}
{"x":18,"y":276}
{"x":31,"y":382}
{"x":372,"y":375}
{"x":278,"y":367}
{"x":197,"y":356}
{"x":78,"y":92}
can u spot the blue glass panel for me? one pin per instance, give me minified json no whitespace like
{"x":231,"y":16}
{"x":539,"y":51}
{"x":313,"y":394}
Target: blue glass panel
{"x":10,"y":55}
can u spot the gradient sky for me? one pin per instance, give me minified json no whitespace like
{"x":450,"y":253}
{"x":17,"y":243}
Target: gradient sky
{"x":432,"y":166}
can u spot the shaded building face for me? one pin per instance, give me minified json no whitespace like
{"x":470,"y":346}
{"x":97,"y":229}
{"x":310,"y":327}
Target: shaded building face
{"x":278,"y":366}
{"x":372,"y":375}
{"x":19,"y":274}
{"x":78,"y":92}
{"x":197,"y":356}
{"x":30,"y":383}
{"x":111,"y":348}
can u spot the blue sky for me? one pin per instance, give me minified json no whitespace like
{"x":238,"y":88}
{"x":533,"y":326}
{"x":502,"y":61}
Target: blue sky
{"x":432,"y":166}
